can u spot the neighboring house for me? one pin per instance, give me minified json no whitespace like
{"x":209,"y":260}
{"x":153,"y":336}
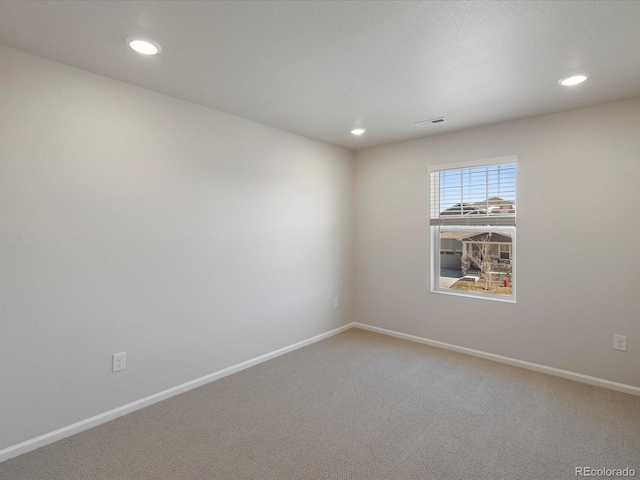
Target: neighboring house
{"x":489,"y":207}
{"x":459,"y":249}
{"x":456,"y":247}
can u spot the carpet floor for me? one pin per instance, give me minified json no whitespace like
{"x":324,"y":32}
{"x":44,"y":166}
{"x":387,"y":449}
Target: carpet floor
{"x":358,"y":406}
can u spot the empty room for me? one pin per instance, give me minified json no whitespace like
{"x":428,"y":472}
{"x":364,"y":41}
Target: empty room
{"x":287,"y":240}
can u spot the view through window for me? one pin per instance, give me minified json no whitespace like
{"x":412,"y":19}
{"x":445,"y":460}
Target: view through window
{"x":473,"y":229}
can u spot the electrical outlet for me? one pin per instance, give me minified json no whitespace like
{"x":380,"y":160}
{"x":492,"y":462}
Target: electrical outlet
{"x":620,"y":342}
{"x":118,"y":361}
{"x":336,"y":304}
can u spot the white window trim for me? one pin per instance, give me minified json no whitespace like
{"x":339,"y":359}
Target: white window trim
{"x":474,"y":163}
{"x":434,"y":253}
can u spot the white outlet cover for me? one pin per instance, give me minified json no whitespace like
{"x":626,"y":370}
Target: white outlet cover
{"x":336,"y":303}
{"x":118,"y":361}
{"x":620,"y":342}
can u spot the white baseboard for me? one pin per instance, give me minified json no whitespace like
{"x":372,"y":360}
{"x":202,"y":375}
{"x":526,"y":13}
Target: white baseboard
{"x":96,"y":420}
{"x":600,"y":382}
{"x":64,"y":432}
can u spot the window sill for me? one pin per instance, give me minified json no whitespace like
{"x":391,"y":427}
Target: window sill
{"x":495,"y":298}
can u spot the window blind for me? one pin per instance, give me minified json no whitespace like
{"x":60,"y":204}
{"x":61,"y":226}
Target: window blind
{"x":482,"y":195}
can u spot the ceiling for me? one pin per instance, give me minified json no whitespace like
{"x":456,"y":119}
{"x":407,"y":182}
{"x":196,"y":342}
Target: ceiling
{"x":321,"y":68}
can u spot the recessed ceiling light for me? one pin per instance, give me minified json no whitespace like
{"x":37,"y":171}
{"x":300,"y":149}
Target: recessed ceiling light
{"x":575,"y":80}
{"x":143,"y":46}
{"x":358,"y":131}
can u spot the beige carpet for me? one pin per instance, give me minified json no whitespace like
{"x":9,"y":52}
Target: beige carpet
{"x":358,"y":406}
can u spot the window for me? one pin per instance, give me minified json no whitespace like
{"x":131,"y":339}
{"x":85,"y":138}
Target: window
{"x":473,"y":213}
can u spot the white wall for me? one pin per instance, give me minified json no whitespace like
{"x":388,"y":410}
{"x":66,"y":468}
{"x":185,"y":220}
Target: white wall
{"x":131,"y":221}
{"x":194,"y":240}
{"x":578,"y":270}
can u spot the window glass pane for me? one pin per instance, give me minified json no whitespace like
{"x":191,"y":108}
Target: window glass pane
{"x":479,"y":267}
{"x":487,"y":191}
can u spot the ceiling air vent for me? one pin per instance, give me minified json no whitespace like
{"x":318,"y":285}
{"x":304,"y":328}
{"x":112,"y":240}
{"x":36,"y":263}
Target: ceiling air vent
{"x":432,"y":121}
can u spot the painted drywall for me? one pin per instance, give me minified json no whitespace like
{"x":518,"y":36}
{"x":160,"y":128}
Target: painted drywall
{"x":130,"y":221}
{"x":578,"y":184}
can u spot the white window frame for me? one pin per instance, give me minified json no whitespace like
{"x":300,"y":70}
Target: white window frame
{"x":436,"y":230}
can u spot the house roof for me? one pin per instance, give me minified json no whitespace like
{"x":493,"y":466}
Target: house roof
{"x":494,"y":238}
{"x":502,"y":237}
{"x":490,"y":206}
{"x":455,"y":235}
